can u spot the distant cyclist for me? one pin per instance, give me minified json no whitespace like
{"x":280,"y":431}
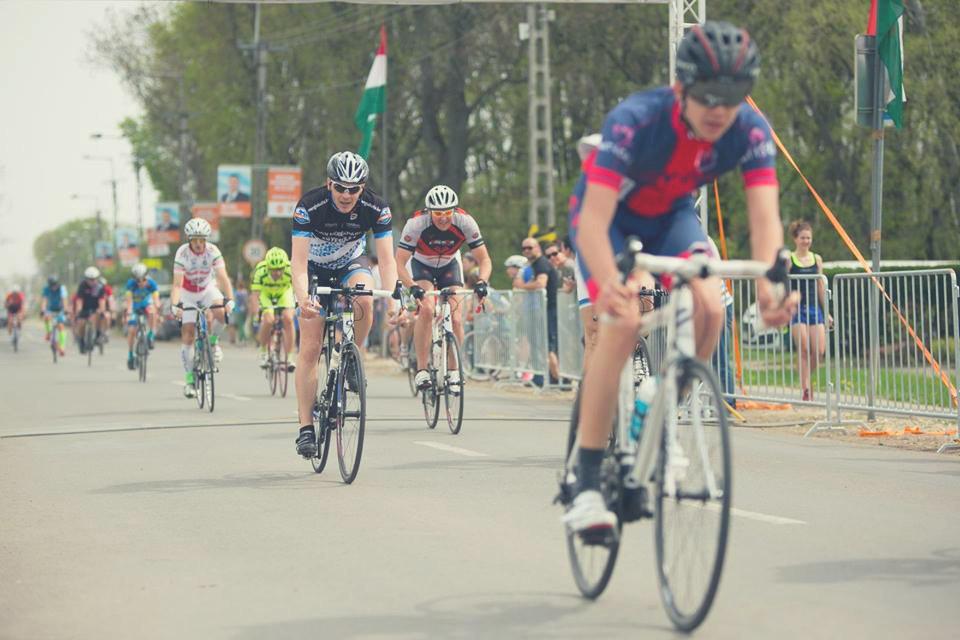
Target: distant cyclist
{"x":14,"y":304}
{"x":142,"y":297}
{"x":199,"y":277}
{"x":53,"y":309}
{"x":433,"y":237}
{"x":657,"y":147}
{"x":272,"y":286}
{"x":90,"y":305}
{"x":330,"y":225}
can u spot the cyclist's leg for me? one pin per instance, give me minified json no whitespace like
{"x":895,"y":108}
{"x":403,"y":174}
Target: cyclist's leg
{"x":452,"y":276}
{"x":358,"y":272}
{"x":286,"y":310}
{"x":266,"y":326}
{"x":682,"y":236}
{"x":132,"y":328}
{"x":311,"y":340}
{"x":188,"y":332}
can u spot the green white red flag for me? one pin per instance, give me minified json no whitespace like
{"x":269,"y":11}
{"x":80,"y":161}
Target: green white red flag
{"x":886,"y":23}
{"x":374,"y":99}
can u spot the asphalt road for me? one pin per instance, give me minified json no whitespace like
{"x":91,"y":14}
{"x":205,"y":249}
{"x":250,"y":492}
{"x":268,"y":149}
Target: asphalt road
{"x":126,"y":512}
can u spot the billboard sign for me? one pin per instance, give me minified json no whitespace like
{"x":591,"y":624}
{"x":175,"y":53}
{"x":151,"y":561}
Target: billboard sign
{"x":128,"y":248}
{"x":166,"y":227}
{"x":209,"y":211}
{"x":283,"y":191}
{"x":233,"y":190}
{"x":103,"y":254}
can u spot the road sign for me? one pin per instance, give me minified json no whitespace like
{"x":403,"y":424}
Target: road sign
{"x":254,"y":250}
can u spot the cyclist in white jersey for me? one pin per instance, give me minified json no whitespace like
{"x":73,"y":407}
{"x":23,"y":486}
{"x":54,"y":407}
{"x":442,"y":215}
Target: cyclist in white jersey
{"x":198,"y":269}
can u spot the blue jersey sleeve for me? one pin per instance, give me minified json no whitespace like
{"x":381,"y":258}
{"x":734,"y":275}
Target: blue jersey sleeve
{"x":759,"y":163}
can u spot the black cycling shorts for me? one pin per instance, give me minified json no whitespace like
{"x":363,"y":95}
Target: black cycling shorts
{"x":449,"y":276}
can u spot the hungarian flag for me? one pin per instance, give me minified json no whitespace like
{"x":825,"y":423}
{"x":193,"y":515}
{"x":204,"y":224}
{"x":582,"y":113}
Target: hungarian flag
{"x":374,"y":100}
{"x":886,"y":23}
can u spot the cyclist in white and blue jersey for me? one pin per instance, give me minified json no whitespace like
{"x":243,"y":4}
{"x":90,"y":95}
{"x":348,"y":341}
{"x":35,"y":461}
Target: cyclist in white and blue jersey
{"x":330,"y":225}
{"x":53,"y":308}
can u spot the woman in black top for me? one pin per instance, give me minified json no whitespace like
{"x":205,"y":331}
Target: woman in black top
{"x":807,"y":326}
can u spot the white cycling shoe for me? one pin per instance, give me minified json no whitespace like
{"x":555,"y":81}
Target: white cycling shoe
{"x":217,"y":354}
{"x":589,"y":513}
{"x":422,"y":379}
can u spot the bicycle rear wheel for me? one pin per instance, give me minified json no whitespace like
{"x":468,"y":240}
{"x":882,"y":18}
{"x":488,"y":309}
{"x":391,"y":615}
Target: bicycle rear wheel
{"x":412,"y":371}
{"x":351,"y":413}
{"x":321,"y":417}
{"x":453,"y":391}
{"x":53,"y":346}
{"x":430,"y":399}
{"x":592,"y":558}
{"x":284,"y":374}
{"x":16,"y":338}
{"x":692,"y":520}
{"x":88,"y":338}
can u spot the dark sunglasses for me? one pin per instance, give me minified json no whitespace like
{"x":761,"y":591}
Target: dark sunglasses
{"x":715,"y":93}
{"x":342,"y":188}
{"x":552,"y":253}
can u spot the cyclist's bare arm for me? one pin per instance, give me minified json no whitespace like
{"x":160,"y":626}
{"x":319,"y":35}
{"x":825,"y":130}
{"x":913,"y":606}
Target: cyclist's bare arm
{"x":403,"y":255}
{"x":223,"y":281}
{"x":299,"y":256}
{"x":386,"y":263}
{"x":484,"y":262}
{"x":175,"y":288}
{"x":593,"y":243}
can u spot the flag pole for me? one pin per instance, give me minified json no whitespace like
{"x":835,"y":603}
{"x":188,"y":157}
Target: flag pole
{"x":876,"y":206}
{"x":383,"y":132}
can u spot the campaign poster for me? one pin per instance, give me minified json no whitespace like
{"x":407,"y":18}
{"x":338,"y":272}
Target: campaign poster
{"x":128,"y":248}
{"x":166,"y":226}
{"x":233,"y":190}
{"x":283,"y":191}
{"x":158,"y":250}
{"x":103,"y":254}
{"x":209,"y":211}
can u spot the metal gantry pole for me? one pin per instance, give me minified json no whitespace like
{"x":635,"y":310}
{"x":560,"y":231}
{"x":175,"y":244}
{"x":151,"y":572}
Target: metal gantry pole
{"x":541,"y":188}
{"x":876,"y":205}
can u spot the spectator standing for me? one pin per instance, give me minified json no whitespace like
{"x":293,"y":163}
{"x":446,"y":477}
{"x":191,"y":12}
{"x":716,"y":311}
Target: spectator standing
{"x":808,"y":326}
{"x":544,"y":277}
{"x":238,"y":319}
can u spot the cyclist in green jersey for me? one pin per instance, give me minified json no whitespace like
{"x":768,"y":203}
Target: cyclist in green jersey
{"x":271,"y":288}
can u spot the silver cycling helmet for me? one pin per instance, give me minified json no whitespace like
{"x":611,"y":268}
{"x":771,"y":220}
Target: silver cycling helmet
{"x":197,"y":228}
{"x":347,"y":167}
{"x":139,"y":271}
{"x":441,"y":197}
{"x":91,"y":273}
{"x":517,"y":261}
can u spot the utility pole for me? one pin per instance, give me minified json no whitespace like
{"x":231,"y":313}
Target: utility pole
{"x":182,"y":175}
{"x":259,"y":170}
{"x":137,"y":166}
{"x":541,"y":192}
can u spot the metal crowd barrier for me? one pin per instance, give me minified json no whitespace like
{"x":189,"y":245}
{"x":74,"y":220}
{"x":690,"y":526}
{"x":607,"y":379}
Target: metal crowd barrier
{"x":569,"y":336}
{"x":511,"y":337}
{"x":897,"y":345}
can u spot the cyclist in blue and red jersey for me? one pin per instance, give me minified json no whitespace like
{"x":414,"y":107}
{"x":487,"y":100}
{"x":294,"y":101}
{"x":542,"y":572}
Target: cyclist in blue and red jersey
{"x":657,"y":147}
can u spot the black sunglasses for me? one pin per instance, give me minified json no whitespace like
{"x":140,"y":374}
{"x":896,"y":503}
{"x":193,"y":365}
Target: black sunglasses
{"x":717,"y":93}
{"x":552,"y":253}
{"x":341,"y":188}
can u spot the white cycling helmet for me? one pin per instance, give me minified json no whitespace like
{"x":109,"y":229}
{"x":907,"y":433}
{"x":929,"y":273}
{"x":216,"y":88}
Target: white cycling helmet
{"x":197,"y":228}
{"x":139,"y":271}
{"x":441,"y":197}
{"x":16,"y":288}
{"x":91,"y":273}
{"x":517,"y":261}
{"x":347,"y":167}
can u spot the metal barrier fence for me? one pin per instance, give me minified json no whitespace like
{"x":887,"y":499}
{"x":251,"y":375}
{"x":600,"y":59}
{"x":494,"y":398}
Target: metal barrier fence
{"x":511,"y":337}
{"x":896,"y":345}
{"x":569,"y":335}
{"x":781,"y":364}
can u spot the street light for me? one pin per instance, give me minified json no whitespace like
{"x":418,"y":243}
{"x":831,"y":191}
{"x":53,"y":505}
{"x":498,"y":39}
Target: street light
{"x":137,"y":166}
{"x":113,"y":185}
{"x":96,"y":200}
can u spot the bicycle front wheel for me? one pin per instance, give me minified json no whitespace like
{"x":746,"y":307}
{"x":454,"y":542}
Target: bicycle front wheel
{"x":693,"y":480}
{"x":208,"y":375}
{"x":592,"y":557}
{"x":351,"y":413}
{"x":88,"y":338}
{"x":143,"y":351}
{"x":453,"y":388}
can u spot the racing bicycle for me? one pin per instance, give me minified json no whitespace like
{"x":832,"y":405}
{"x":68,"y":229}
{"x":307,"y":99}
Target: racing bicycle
{"x":681,"y":461}
{"x":444,"y":361}
{"x":203,"y":364}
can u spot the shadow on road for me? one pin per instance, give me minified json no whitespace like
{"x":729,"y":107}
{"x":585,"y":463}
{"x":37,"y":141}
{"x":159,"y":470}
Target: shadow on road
{"x":493,"y":615}
{"x":941,"y":569}
{"x":235,"y":481}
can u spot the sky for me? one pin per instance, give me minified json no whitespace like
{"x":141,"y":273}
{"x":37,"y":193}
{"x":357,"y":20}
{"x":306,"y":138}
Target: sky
{"x":54,"y":98}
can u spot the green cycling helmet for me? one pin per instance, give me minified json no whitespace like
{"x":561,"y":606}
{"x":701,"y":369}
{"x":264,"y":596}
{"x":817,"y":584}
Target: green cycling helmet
{"x":276,"y":258}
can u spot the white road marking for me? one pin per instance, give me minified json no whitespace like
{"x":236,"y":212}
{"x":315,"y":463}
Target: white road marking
{"x":451,"y":449}
{"x":754,"y":515}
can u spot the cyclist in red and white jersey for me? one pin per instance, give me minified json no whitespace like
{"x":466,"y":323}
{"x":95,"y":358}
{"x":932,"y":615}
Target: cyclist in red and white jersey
{"x":431,"y":240}
{"x":199,"y":277}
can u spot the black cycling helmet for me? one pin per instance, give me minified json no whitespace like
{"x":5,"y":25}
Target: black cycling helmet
{"x":347,"y":167}
{"x":52,"y":280}
{"x":717,"y":63}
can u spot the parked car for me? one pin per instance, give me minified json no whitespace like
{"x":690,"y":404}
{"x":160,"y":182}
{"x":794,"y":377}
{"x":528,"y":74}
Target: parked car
{"x":167,"y":328}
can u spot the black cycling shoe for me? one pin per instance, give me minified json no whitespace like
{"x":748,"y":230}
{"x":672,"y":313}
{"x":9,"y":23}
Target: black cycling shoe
{"x":307,"y":444}
{"x":131,"y":363}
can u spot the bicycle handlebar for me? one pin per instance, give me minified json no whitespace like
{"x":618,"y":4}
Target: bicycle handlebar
{"x":352,"y":292}
{"x":703,"y":266}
